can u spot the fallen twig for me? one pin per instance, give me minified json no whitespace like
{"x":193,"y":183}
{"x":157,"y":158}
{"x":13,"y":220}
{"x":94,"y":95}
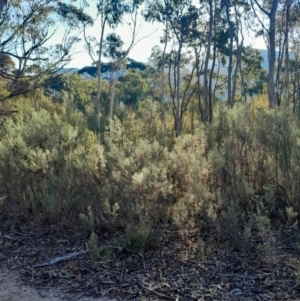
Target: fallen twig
{"x":60,"y":259}
{"x":23,"y":235}
{"x":8,"y":237}
{"x":150,"y":289}
{"x":292,"y":288}
{"x":237,"y":276}
{"x":50,"y":229}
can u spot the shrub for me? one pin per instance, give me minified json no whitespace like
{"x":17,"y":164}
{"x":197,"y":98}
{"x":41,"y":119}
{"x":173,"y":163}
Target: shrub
{"x":50,"y":168}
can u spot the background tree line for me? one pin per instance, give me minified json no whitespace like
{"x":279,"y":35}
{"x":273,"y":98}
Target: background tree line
{"x":202,"y":49}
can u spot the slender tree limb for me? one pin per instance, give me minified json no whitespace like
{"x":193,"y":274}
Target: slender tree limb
{"x":257,"y":17}
{"x":261,"y":8}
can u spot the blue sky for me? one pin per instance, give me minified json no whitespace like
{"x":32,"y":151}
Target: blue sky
{"x":148,"y":33}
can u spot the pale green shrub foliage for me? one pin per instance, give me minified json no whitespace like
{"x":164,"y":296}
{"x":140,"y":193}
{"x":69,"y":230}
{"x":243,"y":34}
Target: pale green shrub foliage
{"x":48,"y":166}
{"x":235,"y":177}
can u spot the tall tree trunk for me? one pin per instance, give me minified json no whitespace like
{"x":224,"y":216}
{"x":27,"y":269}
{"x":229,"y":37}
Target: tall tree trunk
{"x":118,"y":64}
{"x":98,"y":95}
{"x":201,"y":113}
{"x":297,"y":81}
{"x":163,"y":100}
{"x":217,"y":77}
{"x":178,"y":119}
{"x":281,"y":48}
{"x":287,"y":59}
{"x":238,"y":63}
{"x":279,"y":57}
{"x":112,"y":90}
{"x":238,"y":53}
{"x":210,"y":100}
{"x":272,"y":50}
{"x":272,"y":56}
{"x":243,"y":86}
{"x":211,"y":74}
{"x":163,"y":83}
{"x":210,"y":91}
{"x":207,"y":57}
{"x":231,"y":36}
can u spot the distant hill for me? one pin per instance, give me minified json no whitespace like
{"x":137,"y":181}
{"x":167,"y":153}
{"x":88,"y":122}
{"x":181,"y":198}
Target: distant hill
{"x":264,"y":54}
{"x":68,"y":70}
{"x":91,"y":71}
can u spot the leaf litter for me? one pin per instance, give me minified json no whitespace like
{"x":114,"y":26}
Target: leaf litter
{"x":172,"y":271}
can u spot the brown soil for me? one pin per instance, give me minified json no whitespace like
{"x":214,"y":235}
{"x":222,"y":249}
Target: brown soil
{"x":197,"y":268}
{"x":12,"y":288}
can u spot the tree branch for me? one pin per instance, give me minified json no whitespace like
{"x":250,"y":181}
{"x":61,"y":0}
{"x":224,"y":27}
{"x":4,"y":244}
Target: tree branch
{"x":262,"y":24}
{"x":260,"y":7}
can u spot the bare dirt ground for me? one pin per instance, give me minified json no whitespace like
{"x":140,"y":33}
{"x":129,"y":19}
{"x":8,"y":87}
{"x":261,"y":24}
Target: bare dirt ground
{"x":12,"y":288}
{"x":173,"y":270}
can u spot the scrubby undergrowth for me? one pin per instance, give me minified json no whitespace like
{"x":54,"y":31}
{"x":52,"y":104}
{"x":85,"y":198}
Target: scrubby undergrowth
{"x":237,"y":178}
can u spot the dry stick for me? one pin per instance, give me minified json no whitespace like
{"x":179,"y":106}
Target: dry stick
{"x":292,"y":288}
{"x":237,"y":276}
{"x":50,"y":229}
{"x":60,"y":259}
{"x":149,"y":289}
{"x":8,"y":237}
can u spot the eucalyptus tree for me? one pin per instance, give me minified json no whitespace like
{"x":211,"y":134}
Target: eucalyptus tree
{"x":26,"y":32}
{"x":287,"y":5}
{"x":219,"y":37}
{"x":132,"y":88}
{"x":227,"y":6}
{"x":236,"y":14}
{"x":110,"y":14}
{"x":152,"y":75}
{"x":253,"y":75}
{"x":75,"y":91}
{"x":206,"y":91}
{"x":294,"y":61}
{"x":295,"y":79}
{"x":269,"y":8}
{"x":153,"y":13}
{"x":113,"y":51}
{"x":280,"y":53}
{"x":6,"y":64}
{"x":289,"y":19}
{"x":182,"y":19}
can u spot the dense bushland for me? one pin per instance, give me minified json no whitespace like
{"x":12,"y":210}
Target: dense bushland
{"x":236,"y":177}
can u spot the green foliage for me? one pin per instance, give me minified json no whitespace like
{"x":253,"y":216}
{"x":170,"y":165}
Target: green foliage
{"x":6,"y":63}
{"x":138,"y":173}
{"x":254,"y":73}
{"x":236,"y":178}
{"x":152,"y":76}
{"x":28,"y":55}
{"x":132,"y":88}
{"x":138,"y":239}
{"x":113,"y":47}
{"x":73,"y":14}
{"x":105,"y":252}
{"x":50,"y":165}
{"x":76,"y":90}
{"x":92,"y":246}
{"x":233,"y":179}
